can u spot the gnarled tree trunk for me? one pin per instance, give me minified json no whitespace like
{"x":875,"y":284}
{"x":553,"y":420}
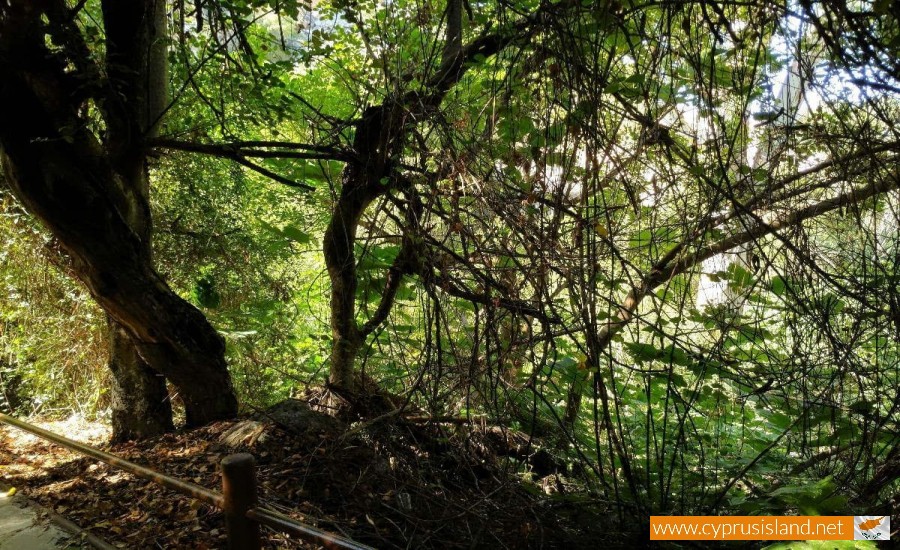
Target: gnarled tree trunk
{"x":137,"y":65}
{"x":93,"y":195}
{"x":140,"y":400}
{"x":361,"y":184}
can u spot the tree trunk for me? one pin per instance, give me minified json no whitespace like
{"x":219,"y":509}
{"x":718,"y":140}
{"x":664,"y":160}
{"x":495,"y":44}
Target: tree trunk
{"x":136,"y":61}
{"x":140,"y":401}
{"x":362,"y":182}
{"x":68,"y":189}
{"x":93,"y":196}
{"x":340,"y":259}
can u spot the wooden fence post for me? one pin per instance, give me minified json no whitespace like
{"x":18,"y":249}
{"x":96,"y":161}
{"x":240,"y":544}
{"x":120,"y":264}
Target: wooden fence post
{"x":239,"y":490}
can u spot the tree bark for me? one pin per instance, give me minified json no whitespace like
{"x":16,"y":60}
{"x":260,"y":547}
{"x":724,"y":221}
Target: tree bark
{"x":137,"y":65}
{"x":72,"y":191}
{"x":340,"y":259}
{"x":361,"y":184}
{"x":140,"y":400}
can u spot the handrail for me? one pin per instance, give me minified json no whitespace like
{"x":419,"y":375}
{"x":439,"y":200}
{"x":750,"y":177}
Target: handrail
{"x":283,"y":523}
{"x":257,"y":514}
{"x":184,"y":487}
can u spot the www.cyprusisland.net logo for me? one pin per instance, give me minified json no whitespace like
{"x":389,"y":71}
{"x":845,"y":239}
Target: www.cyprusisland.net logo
{"x":871,"y":527}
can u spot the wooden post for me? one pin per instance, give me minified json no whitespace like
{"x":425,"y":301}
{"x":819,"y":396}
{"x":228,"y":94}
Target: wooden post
{"x":239,"y":490}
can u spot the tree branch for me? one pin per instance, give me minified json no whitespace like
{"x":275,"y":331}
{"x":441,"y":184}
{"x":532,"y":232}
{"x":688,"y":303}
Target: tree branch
{"x":398,"y":269}
{"x":509,"y":304}
{"x":253,"y":149}
{"x":453,"y":67}
{"x":674,"y":263}
{"x":239,"y":151}
{"x":272,"y":175}
{"x":453,"y":41}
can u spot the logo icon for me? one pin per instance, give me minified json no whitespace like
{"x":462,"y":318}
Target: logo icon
{"x":871,"y":528}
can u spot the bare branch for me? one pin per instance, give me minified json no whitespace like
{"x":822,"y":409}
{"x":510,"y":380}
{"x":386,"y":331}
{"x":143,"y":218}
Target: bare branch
{"x":398,"y":269}
{"x":674,"y":263}
{"x":252,"y":149}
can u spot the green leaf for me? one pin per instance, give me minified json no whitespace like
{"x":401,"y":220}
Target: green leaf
{"x":642,"y":352}
{"x":778,"y":286}
{"x":780,"y":421}
{"x":296,"y":234}
{"x":739,"y":276}
{"x":205,"y":292}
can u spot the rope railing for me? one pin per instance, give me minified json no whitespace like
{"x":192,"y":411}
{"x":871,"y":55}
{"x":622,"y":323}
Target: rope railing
{"x":238,"y":499}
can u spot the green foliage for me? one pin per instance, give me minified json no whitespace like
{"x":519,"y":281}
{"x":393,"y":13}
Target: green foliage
{"x":235,"y":246}
{"x":52,"y":334}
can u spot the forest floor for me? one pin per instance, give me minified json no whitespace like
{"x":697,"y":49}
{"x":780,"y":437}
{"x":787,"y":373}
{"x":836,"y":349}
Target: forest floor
{"x":390,"y":484}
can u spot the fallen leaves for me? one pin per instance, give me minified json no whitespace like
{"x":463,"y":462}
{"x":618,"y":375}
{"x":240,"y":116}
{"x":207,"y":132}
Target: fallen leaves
{"x":390,"y":485}
{"x":116,"y":506}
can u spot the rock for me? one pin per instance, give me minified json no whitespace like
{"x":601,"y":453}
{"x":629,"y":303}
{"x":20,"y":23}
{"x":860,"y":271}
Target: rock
{"x":297,"y":417}
{"x":291,"y":415}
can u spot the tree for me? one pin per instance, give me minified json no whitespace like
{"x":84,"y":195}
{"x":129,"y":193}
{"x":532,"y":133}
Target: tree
{"x":90,"y":188}
{"x":595,"y":175}
{"x":378,"y":139}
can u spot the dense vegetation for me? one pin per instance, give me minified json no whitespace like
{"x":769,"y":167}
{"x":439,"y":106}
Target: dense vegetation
{"x":659,"y":238}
